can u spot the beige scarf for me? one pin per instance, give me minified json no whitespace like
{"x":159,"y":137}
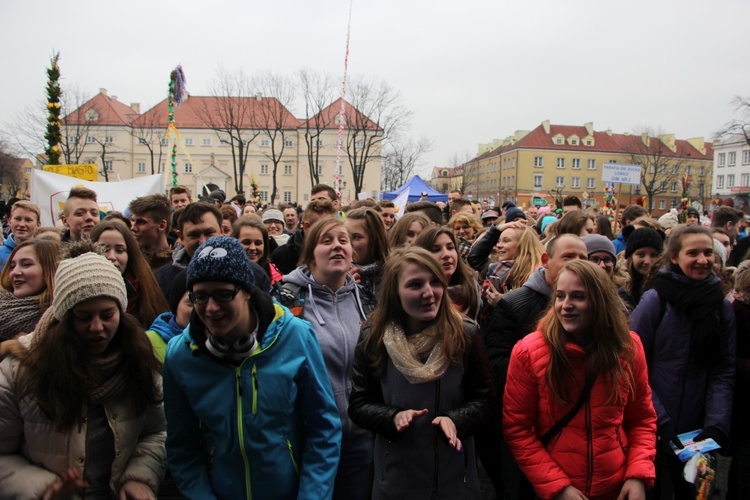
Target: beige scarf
{"x":405,"y":352}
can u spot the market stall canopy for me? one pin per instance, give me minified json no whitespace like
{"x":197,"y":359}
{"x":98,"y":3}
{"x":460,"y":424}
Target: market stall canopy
{"x":415,"y":187}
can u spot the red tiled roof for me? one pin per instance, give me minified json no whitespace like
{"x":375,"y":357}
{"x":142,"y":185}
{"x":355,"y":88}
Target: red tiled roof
{"x":353,"y":115}
{"x":201,"y":111}
{"x":110,"y":111}
{"x":603,"y":143}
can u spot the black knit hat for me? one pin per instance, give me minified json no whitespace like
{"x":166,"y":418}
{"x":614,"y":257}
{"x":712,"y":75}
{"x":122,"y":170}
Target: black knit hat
{"x":644,"y":237}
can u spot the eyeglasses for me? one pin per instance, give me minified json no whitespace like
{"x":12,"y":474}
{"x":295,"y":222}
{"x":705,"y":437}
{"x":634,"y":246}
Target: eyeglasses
{"x":201,"y":298}
{"x":607,"y":261}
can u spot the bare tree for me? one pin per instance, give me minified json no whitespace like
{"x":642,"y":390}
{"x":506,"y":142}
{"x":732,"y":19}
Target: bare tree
{"x":274,"y":120}
{"x":229,"y":112}
{"x":466,"y":169}
{"x":375,"y":115}
{"x":147,"y":130}
{"x":739,"y":126}
{"x":11,"y":171}
{"x":318,"y":92}
{"x":26,"y":129}
{"x":399,"y":160}
{"x":75,"y":129}
{"x":660,"y":166}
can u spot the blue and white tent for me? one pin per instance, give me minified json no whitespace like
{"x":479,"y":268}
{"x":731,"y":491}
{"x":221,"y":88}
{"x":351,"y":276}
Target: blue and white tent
{"x":415,"y":186}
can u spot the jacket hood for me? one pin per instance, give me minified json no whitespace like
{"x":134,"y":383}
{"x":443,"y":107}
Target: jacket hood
{"x":166,"y":327}
{"x":303,"y":277}
{"x":180,"y":257}
{"x":538,"y":283}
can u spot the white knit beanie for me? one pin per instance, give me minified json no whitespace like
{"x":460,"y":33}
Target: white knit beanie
{"x":85,"y":277}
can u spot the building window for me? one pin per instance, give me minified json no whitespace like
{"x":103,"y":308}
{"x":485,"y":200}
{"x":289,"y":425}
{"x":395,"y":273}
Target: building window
{"x":287,"y":170}
{"x":590,"y":183}
{"x":264,"y":170}
{"x":662,"y":204}
{"x":663,"y":168}
{"x":675,"y":169}
{"x":745,"y":157}
{"x":109,"y":139}
{"x":638,"y":189}
{"x":559,"y":181}
{"x":673,"y":187}
{"x":701,"y":170}
{"x":538,"y":161}
{"x":574,"y":142}
{"x":689,"y":169}
{"x":318,"y":170}
{"x":90,"y":139}
{"x":537,"y":180}
{"x":206,"y":141}
{"x":558,"y":140}
{"x":319,"y":143}
{"x":591,"y":164}
{"x":288,"y":143}
{"x":722,"y":159}
{"x":264,"y":143}
{"x":575,"y":182}
{"x":730,"y":180}
{"x":745,"y":180}
{"x":108,"y":166}
{"x":263,"y":195}
{"x":287,"y":196}
{"x":223,"y":142}
{"x":188,"y":168}
{"x":561,"y":163}
{"x":189,"y":141}
{"x":165,"y":142}
{"x":720,"y":182}
{"x":576,"y":163}
{"x":141,"y":168}
{"x":663,"y":186}
{"x":588,"y":142}
{"x":652,"y":169}
{"x":732,"y":159}
{"x":359,"y":144}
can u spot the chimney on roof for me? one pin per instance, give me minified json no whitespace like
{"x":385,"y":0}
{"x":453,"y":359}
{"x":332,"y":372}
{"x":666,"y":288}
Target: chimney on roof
{"x":114,"y":97}
{"x":668,"y":141}
{"x":545,"y":124}
{"x":103,"y":91}
{"x":698,"y":143}
{"x":589,"y":128}
{"x":136,"y":107}
{"x":645,"y":139}
{"x":608,"y":132}
{"x":259,"y":96}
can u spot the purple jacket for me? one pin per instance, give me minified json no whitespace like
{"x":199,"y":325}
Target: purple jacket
{"x":690,"y":398}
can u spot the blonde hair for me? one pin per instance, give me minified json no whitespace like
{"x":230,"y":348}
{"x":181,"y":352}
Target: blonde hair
{"x":528,"y":257}
{"x":470,"y":219}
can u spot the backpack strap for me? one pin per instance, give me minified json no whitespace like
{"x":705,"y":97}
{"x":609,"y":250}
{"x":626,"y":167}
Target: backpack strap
{"x":290,"y":296}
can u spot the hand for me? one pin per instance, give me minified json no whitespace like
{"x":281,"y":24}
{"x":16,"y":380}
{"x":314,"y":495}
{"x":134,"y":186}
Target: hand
{"x":711,"y":433}
{"x":493,"y":296}
{"x":633,"y":489}
{"x":355,"y":274}
{"x":446,"y":425}
{"x":667,"y":434}
{"x":69,"y":483}
{"x":403,"y":419}
{"x":571,"y":493}
{"x":516,"y":224}
{"x":133,"y":490}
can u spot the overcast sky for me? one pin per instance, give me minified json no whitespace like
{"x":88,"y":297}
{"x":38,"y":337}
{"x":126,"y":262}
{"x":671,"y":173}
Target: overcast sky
{"x":471,"y":71}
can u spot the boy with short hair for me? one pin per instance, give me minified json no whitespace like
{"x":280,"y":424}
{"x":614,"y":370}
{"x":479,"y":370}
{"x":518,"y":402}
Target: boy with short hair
{"x":23,"y":220}
{"x":80,"y":214}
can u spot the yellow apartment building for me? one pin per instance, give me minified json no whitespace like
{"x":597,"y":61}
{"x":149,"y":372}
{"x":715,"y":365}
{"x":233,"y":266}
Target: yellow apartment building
{"x":553,"y":161}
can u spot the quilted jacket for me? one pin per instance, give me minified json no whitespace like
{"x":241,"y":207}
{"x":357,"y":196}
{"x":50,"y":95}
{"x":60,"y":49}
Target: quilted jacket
{"x":606,"y":443}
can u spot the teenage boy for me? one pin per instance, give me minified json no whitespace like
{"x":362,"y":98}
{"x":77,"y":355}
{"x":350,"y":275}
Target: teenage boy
{"x":80,"y":214}
{"x":23,"y":220}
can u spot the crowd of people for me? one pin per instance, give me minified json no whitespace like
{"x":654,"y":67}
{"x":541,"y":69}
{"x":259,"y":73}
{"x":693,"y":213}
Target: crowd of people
{"x":219,"y":349}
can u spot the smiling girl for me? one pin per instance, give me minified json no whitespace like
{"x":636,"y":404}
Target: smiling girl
{"x":689,"y":335}
{"x":27,"y":284}
{"x":582,"y":364}
{"x":419,"y":384}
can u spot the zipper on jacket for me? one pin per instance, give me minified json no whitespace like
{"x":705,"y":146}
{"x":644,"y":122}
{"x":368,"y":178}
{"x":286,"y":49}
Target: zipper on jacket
{"x":589,"y":449}
{"x":241,"y":433}
{"x":291,"y":455}
{"x":255,"y":389}
{"x":436,"y":437}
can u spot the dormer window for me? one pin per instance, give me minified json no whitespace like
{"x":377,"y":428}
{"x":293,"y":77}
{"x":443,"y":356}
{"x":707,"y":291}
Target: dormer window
{"x":92,"y":115}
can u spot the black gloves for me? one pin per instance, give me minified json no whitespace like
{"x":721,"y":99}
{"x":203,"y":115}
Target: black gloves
{"x":667,"y":434}
{"x":712,"y":433}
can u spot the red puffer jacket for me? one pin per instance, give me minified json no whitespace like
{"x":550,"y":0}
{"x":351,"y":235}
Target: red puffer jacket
{"x":606,"y":443}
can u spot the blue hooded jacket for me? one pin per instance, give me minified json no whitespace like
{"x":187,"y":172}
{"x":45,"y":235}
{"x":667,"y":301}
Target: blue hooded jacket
{"x":161,"y":331}
{"x":6,"y":249}
{"x":266,"y":428}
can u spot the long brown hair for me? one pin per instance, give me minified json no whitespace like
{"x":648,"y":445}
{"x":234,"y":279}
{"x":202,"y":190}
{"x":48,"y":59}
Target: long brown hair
{"x":610,"y":349}
{"x":464,"y":278}
{"x":375,"y":228}
{"x":48,"y":254}
{"x":399,"y":230}
{"x":56,"y":371}
{"x":390,"y":309}
{"x":255,"y":223}
{"x":313,"y":236}
{"x":151,"y":301}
